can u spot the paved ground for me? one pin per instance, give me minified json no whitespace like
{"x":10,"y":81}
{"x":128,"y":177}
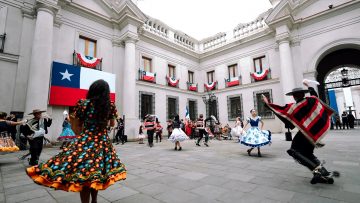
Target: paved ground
{"x":222,"y":172}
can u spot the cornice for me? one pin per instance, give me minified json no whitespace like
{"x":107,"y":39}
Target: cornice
{"x":9,"y":57}
{"x":47,"y":6}
{"x":13,"y":3}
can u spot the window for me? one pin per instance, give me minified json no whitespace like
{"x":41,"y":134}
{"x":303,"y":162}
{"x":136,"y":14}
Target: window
{"x":147,"y":64}
{"x":171,"y":71}
{"x":87,"y":46}
{"x":190,"y":77}
{"x":210,"y":76}
{"x":235,"y":108}
{"x":232,"y":71}
{"x":212,"y":108}
{"x":172,"y":107}
{"x":259,"y":105}
{"x":147,"y":104}
{"x":259,"y":64}
{"x":192,"y":109}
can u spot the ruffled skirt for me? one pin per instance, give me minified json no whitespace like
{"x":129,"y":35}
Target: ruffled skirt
{"x":67,"y":134}
{"x":178,"y":135}
{"x":255,"y":137}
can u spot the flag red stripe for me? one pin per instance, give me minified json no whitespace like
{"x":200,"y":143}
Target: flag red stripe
{"x":148,"y":78}
{"x":65,"y":96}
{"x":232,"y":83}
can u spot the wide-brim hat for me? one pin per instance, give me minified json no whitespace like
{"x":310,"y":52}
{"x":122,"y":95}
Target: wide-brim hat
{"x":297,"y":90}
{"x":36,"y":111}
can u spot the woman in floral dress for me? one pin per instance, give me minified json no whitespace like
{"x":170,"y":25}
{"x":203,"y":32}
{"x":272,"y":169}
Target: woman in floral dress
{"x":90,"y":162}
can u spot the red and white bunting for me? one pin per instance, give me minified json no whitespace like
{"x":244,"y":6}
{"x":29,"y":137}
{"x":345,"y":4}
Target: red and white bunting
{"x":148,"y":76}
{"x":88,"y":61}
{"x":210,"y":85}
{"x":260,"y":76}
{"x":172,"y":81}
{"x":193,"y":87}
{"x":232,"y":81}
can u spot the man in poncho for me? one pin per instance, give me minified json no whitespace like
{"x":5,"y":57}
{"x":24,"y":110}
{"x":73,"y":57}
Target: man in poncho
{"x":312,"y":117}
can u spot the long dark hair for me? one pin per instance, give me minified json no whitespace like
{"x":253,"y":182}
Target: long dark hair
{"x":99,"y":95}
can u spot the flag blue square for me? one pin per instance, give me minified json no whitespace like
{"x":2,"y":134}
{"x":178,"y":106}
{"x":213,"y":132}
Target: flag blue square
{"x":65,"y":75}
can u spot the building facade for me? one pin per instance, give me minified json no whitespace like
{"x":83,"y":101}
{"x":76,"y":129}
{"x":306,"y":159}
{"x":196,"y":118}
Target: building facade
{"x":161,"y":70}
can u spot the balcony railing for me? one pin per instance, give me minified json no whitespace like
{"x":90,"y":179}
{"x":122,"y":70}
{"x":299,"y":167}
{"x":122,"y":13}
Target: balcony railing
{"x":233,"y":81}
{"x":192,"y":86}
{"x":89,"y":63}
{"x":264,"y":75}
{"x":2,"y":42}
{"x":147,"y":76}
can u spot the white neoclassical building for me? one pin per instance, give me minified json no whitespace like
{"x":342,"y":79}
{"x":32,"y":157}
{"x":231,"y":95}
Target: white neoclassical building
{"x":161,"y":70}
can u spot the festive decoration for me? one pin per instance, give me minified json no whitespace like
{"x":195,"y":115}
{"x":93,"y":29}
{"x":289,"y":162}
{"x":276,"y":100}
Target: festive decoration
{"x":88,"y":61}
{"x":260,"y":75}
{"x":210,"y":86}
{"x":148,"y":76}
{"x":232,"y":81}
{"x":192,"y":87}
{"x":172,"y":81}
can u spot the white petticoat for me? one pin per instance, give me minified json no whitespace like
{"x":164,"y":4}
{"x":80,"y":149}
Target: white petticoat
{"x":237,"y":132}
{"x":178,"y":135}
{"x":142,"y":136}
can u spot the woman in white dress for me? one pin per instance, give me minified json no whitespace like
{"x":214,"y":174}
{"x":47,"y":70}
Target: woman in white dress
{"x":237,"y":130}
{"x":177,"y":134}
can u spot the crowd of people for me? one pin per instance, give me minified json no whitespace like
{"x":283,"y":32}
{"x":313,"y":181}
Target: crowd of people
{"x":88,"y":161}
{"x":346,"y":121}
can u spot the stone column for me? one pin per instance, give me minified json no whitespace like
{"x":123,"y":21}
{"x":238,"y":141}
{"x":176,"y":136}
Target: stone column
{"x":129,"y":88}
{"x":41,"y":59}
{"x":287,"y":78}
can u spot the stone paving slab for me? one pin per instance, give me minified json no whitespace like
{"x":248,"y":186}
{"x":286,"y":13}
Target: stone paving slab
{"x":222,"y":172}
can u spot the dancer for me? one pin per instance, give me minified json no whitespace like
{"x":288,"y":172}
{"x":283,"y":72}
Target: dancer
{"x":35,"y":130}
{"x":200,"y":125}
{"x":7,"y":144}
{"x":238,"y":129}
{"x":90,"y":163}
{"x":120,"y":131}
{"x":312,"y":117}
{"x":169,"y":127}
{"x":255,"y":136}
{"x":158,"y":131}
{"x":177,"y":134}
{"x":141,"y":134}
{"x":150,"y":124}
{"x":67,"y":134}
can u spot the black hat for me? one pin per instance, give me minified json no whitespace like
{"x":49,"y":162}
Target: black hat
{"x":297,"y":90}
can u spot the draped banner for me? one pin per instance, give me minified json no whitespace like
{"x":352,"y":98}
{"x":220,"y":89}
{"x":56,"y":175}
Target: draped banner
{"x":260,"y":75}
{"x":172,"y":81}
{"x":88,"y":61}
{"x":210,"y":86}
{"x":232,"y":81}
{"x":193,"y":87}
{"x":148,"y":76}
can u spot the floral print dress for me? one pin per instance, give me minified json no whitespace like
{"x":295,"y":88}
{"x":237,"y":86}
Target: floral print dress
{"x":90,"y":160}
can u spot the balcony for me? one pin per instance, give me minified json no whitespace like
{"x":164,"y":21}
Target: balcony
{"x":147,"y":76}
{"x":87,"y":61}
{"x":210,"y":86}
{"x":265,"y":74}
{"x":172,"y":82}
{"x":192,"y":86}
{"x":233,"y":81}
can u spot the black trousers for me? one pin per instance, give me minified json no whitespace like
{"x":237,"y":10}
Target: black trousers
{"x":303,"y":151}
{"x":158,"y":136}
{"x":36,"y":146}
{"x":345,"y":123}
{"x":150,"y":134}
{"x":120,"y":136}
{"x":202,"y":132}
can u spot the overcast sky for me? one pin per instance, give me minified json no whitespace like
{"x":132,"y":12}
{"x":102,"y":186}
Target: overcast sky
{"x":203,"y":18}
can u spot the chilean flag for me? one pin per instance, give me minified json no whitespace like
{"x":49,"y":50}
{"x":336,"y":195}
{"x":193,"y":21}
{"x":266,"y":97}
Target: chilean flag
{"x":232,"y":81}
{"x":70,"y":83}
{"x":148,"y":76}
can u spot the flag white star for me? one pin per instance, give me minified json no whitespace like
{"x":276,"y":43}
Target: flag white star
{"x":66,"y":75}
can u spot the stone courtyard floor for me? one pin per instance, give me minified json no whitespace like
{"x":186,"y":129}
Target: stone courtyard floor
{"x":222,"y":172}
